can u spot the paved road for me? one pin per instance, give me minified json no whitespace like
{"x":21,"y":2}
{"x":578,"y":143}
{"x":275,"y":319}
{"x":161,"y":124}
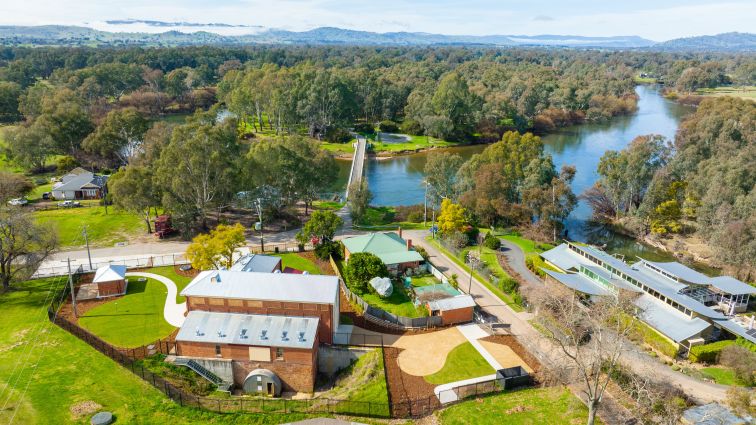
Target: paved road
{"x":637,"y":360}
{"x":516,"y":259}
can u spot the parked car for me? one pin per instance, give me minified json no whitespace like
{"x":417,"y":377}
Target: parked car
{"x":18,"y":202}
{"x":69,"y":204}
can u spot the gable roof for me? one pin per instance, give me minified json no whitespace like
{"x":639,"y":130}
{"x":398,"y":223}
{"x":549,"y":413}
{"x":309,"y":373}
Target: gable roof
{"x":85,"y":179}
{"x":256,"y":263}
{"x":452,"y":303}
{"x":669,"y":321}
{"x":109,"y":273}
{"x":389,"y":247}
{"x":316,"y":289}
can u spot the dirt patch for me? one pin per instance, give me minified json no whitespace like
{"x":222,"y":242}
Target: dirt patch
{"x":512,"y":342}
{"x":504,"y":355}
{"x":82,"y":307}
{"x":84,"y":408}
{"x":425,"y":354}
{"x":518,"y":409}
{"x":409,"y":395}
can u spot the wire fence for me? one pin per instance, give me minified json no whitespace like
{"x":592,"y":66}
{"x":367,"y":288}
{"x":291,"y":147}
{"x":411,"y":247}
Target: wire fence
{"x":130,"y":263}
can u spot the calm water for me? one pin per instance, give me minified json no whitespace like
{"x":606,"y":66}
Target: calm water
{"x":398,"y":181}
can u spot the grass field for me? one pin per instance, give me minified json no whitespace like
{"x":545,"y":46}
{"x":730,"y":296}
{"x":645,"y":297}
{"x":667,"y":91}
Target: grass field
{"x":489,"y":257}
{"x":745,"y":92}
{"x":415,"y":143}
{"x":553,"y":406}
{"x":463,"y":362}
{"x":338,"y":148}
{"x":383,"y":218}
{"x":298,"y":262}
{"x":170,"y":273}
{"x":398,"y":303}
{"x":644,"y":80}
{"x":721,"y":375}
{"x":134,"y":320}
{"x":103,"y":229}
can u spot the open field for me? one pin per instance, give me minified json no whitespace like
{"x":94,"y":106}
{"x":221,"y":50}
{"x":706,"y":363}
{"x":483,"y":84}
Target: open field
{"x":133,"y":320}
{"x":553,"y":405}
{"x":413,"y":144}
{"x":463,"y":362}
{"x":103,"y":229}
{"x":721,"y":375}
{"x":745,"y":92}
{"x":339,"y":148}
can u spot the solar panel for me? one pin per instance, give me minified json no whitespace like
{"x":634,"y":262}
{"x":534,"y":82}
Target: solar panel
{"x":751,"y":332}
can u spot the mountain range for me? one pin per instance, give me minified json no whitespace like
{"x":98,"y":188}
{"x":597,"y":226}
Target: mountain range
{"x":118,"y":34}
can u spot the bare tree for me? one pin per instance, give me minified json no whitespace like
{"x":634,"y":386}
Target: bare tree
{"x":590,"y":337}
{"x":23,"y":245}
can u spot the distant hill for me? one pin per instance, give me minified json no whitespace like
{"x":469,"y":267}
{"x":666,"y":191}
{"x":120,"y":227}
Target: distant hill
{"x":730,"y":41}
{"x":60,"y":35}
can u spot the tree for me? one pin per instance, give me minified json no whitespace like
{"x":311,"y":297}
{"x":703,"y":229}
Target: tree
{"x":9,"y":94}
{"x":30,"y":146}
{"x":441,"y":175}
{"x":24,"y":245}
{"x":455,"y":106}
{"x":451,"y":218}
{"x":322,"y":226}
{"x":119,"y":137}
{"x":216,"y":249}
{"x":13,"y":185}
{"x":66,"y":121}
{"x":359,"y":199}
{"x":590,"y":340}
{"x":552,"y":201}
{"x":361,"y":267}
{"x":132,"y":189}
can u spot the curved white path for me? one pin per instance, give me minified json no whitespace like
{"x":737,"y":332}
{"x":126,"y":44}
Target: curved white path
{"x":173,"y":312}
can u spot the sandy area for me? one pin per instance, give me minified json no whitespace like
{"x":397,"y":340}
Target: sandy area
{"x":422,"y":354}
{"x":504,"y":355}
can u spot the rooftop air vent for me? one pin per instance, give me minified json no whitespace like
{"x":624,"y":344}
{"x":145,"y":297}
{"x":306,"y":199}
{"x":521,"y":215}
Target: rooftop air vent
{"x":221,"y":334}
{"x":301,"y":336}
{"x":284,"y":336}
{"x":243,"y":334}
{"x":263,"y":334}
{"x":198,"y":331}
{"x":216,"y":278}
{"x":276,"y":271}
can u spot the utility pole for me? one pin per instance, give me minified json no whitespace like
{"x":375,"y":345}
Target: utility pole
{"x":258,"y":204}
{"x":425,"y":203}
{"x":473,"y":260}
{"x":71,"y":285}
{"x":86,"y":240}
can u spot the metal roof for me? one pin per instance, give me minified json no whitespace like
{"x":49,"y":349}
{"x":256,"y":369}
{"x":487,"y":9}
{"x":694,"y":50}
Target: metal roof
{"x":84,"y":179}
{"x":668,"y":320}
{"x":669,"y":289}
{"x":736,"y":329}
{"x":109,"y":273}
{"x":256,"y":263}
{"x":317,"y":289}
{"x":681,"y":271}
{"x":732,"y":286}
{"x":579,"y":283}
{"x":452,"y":303}
{"x":389,"y":247}
{"x":249,"y":329}
{"x":562,"y":257}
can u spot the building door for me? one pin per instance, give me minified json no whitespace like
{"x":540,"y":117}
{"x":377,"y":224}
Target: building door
{"x":270,"y":388}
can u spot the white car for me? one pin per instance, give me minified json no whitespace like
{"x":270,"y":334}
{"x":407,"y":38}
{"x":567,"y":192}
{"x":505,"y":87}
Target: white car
{"x":69,"y":204}
{"x":18,"y":202}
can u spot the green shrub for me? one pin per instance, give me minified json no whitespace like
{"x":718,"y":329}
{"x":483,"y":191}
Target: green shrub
{"x":509,"y":285}
{"x":708,"y":353}
{"x":364,"y":128}
{"x":388,"y":126}
{"x":66,"y":163}
{"x":333,"y":249}
{"x":338,"y":135}
{"x":361,"y":267}
{"x":412,"y":127}
{"x":746,"y":343}
{"x":492,"y":242}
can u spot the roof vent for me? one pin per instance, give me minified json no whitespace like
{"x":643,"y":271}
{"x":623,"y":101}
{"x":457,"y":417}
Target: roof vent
{"x":301,"y":336}
{"x":198,"y":332}
{"x":215,"y":278}
{"x":263,"y":334}
{"x":276,"y":271}
{"x":243,"y":334}
{"x":221,"y":334}
{"x":284,"y":336}
{"x":305,"y":272}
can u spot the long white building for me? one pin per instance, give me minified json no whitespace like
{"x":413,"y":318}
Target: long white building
{"x":682,"y":304}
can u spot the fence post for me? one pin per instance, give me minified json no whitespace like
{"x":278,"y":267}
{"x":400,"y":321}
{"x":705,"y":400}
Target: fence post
{"x":219,"y":406}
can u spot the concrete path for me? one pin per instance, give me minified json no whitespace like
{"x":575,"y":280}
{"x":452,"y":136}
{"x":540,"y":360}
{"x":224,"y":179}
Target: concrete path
{"x":172,"y":312}
{"x":473,"y":333}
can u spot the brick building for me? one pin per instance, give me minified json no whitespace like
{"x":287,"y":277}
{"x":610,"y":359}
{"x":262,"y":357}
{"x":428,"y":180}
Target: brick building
{"x":270,"y":321}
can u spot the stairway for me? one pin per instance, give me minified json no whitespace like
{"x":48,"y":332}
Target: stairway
{"x":204,"y":372}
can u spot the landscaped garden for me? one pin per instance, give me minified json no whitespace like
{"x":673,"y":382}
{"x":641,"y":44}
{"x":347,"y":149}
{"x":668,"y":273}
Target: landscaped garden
{"x":102,"y":229}
{"x":302,"y":262}
{"x":133,"y":320}
{"x":463,"y":362}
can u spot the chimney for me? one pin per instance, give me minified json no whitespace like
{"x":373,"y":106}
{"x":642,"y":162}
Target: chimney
{"x":409,"y":244}
{"x":400,"y":232}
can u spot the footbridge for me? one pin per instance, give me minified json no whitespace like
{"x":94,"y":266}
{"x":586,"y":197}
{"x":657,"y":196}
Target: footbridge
{"x":358,"y":164}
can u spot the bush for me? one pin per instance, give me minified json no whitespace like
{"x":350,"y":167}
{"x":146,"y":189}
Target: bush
{"x":388,"y":126}
{"x":420,"y":250}
{"x":338,"y":135}
{"x":746,"y":343}
{"x":455,"y":240}
{"x":708,"y":353}
{"x":492,"y":242}
{"x":333,"y":249}
{"x":509,"y":285}
{"x":411,"y":213}
{"x":412,"y":127}
{"x":66,"y":163}
{"x":741,"y":360}
{"x":361,"y":267}
{"x":364,"y":128}
{"x":472,"y":234}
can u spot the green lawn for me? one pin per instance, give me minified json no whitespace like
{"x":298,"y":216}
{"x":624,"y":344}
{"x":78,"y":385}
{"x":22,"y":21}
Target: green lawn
{"x":644,"y":80}
{"x":133,"y":320}
{"x":721,"y":375}
{"x":745,"y":92}
{"x":103,"y":229}
{"x":425,"y":280}
{"x":383,"y":218}
{"x":641,"y":332}
{"x":532,"y":249}
{"x":398,"y":303}
{"x":338,"y":148}
{"x":415,"y":143}
{"x":532,"y":406}
{"x":328,"y":205}
{"x":463,"y":362}
{"x":298,"y":262}
{"x":170,"y":273}
{"x":363,"y":381}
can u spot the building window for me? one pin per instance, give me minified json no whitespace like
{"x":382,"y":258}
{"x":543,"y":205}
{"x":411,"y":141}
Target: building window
{"x":217,"y":350}
{"x":279,"y":353}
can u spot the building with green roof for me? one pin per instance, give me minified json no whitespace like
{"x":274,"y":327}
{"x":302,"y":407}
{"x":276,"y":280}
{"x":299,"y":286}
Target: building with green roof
{"x":394,"y":251}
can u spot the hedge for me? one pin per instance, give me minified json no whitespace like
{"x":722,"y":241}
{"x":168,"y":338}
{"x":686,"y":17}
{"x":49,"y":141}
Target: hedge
{"x":708,"y":353}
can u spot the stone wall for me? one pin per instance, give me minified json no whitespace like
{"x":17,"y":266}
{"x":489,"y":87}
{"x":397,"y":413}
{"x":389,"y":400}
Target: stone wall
{"x":333,"y":359}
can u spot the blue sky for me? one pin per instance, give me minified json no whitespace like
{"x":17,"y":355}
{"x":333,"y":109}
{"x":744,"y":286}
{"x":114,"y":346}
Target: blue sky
{"x":657,"y":20}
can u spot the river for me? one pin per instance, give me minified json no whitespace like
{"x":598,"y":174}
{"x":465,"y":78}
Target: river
{"x":398,"y":180}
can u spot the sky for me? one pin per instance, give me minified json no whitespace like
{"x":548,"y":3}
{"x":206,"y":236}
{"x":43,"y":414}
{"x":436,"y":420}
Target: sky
{"x":657,"y":20}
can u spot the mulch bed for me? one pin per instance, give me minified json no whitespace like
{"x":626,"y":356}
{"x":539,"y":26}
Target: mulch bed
{"x":514,"y":344}
{"x":407,"y":393}
{"x":189,"y":273}
{"x":82,"y":307}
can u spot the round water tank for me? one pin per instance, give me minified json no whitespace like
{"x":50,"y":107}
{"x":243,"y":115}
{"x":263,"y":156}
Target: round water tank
{"x":262,"y":381}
